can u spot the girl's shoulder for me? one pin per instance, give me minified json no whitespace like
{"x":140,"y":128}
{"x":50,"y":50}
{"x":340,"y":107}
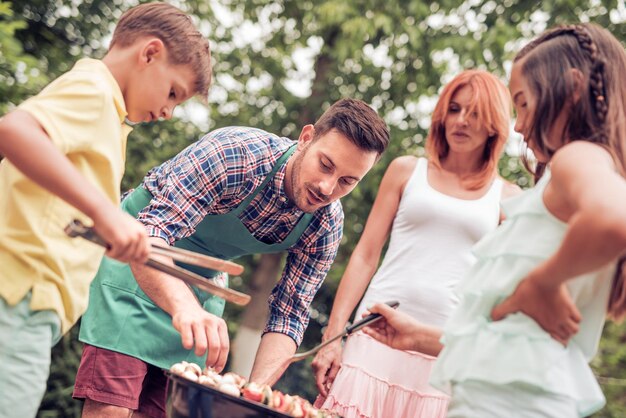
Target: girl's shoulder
{"x":580,"y":158}
{"x":581,"y":151}
{"x":583,"y":176}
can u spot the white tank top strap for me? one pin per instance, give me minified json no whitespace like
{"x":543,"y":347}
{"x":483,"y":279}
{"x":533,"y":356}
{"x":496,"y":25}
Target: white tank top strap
{"x":419,"y":173}
{"x":417,"y":180}
{"x":495,"y":191}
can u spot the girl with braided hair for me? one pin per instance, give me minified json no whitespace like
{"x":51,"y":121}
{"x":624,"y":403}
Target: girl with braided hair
{"x":533,"y":307}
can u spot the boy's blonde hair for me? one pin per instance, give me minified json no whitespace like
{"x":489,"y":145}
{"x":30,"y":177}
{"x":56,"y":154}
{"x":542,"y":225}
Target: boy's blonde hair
{"x":185,"y":45}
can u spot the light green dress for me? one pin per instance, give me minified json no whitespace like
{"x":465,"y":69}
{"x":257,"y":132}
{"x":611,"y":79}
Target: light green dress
{"x":516,"y":350}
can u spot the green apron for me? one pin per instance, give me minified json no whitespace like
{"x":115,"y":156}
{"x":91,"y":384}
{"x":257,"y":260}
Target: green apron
{"x":122,"y":318}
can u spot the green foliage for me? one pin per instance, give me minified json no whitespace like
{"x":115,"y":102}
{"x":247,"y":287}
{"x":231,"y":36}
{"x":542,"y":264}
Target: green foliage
{"x":153,"y":143}
{"x":610,"y":367}
{"x":393,"y":54}
{"x":19,"y":73}
{"x":58,"y":401}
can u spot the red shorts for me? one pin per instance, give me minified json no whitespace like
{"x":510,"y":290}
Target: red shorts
{"x":117,"y":379}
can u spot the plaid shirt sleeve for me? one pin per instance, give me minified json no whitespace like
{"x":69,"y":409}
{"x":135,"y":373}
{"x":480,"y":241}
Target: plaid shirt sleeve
{"x":302,"y":277}
{"x":186,"y":187}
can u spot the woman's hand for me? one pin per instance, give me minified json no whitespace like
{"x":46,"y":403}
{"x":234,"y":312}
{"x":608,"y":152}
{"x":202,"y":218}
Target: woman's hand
{"x":549,"y":305}
{"x":326,"y":365}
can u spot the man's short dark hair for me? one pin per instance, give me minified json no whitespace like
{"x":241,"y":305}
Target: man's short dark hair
{"x":358,"y":122}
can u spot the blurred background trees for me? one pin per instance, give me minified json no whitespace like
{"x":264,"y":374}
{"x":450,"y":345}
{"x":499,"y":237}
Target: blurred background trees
{"x":279,"y":65}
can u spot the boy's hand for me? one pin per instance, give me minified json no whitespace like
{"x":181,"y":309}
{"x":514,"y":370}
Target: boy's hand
{"x":207,"y":332}
{"x":326,"y":365}
{"x":550,"y":306}
{"x":126,"y":237}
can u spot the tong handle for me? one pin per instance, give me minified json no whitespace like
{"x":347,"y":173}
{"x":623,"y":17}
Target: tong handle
{"x":369,"y":319}
{"x":346,"y":331}
{"x":77,"y":229}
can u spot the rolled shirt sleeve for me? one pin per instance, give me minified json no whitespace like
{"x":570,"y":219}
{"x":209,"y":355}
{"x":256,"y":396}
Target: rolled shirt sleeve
{"x":186,"y":188}
{"x":304,"y":273}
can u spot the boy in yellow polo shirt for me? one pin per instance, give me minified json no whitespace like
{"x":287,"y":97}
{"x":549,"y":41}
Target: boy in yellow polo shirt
{"x":64,"y":155}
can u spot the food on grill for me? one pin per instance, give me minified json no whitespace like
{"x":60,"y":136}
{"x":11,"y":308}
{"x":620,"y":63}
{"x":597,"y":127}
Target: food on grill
{"x":236,"y":385}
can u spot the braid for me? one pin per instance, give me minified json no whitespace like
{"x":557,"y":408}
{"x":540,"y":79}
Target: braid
{"x":598,"y":93}
{"x":596,"y":75}
{"x":551,"y":34}
{"x":584,"y":40}
{"x":578,"y":31}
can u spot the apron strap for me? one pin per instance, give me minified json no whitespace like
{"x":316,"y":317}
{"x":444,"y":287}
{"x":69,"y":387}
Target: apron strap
{"x":243,"y":205}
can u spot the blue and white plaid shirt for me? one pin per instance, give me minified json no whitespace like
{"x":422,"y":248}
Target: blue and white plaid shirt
{"x":213,"y":176}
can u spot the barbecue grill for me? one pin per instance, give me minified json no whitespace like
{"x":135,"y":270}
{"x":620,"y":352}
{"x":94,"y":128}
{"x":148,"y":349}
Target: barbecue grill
{"x":187,"y":399}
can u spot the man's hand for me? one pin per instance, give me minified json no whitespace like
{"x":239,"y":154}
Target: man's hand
{"x":206,"y":332}
{"x":326,"y":365}
{"x":550,"y":306}
{"x":198,"y":328}
{"x":126,"y":237}
{"x":272,"y":358}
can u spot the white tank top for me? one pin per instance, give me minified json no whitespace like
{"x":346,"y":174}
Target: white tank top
{"x":429,"y":248}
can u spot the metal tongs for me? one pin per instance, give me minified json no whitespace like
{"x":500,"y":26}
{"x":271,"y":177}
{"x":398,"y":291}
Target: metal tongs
{"x":369,"y":319}
{"x":77,"y":229}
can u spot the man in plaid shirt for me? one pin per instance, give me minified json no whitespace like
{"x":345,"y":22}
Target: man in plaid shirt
{"x":236,"y":191}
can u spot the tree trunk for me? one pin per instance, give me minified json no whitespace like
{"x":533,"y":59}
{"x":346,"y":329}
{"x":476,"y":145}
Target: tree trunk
{"x":255,"y":316}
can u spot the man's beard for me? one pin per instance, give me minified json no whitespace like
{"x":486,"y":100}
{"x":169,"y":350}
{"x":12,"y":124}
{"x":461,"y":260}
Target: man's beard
{"x":298,"y":192}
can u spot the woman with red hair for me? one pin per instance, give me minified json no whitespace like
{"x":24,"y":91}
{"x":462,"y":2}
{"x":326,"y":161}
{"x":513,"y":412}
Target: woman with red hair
{"x":433,"y":211}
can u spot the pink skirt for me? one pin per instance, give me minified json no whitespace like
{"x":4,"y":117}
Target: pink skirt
{"x":376,"y":381}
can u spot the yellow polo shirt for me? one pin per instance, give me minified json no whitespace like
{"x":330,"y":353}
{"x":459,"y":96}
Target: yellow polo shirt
{"x":83,"y":113}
